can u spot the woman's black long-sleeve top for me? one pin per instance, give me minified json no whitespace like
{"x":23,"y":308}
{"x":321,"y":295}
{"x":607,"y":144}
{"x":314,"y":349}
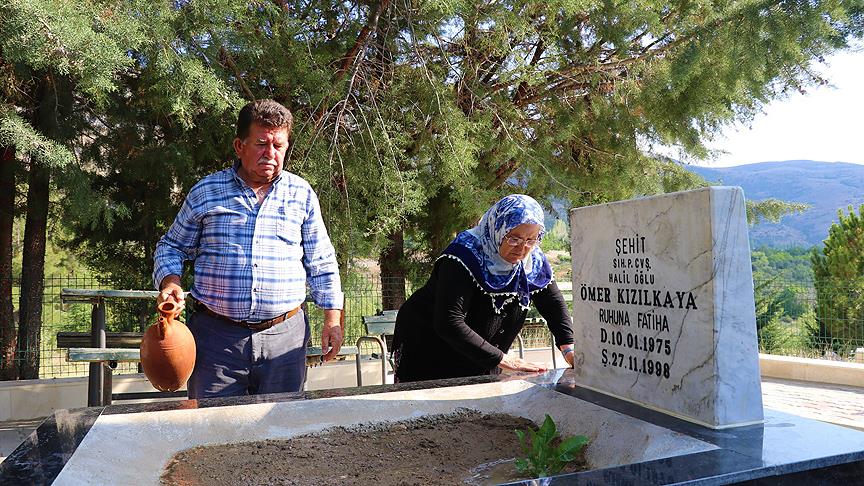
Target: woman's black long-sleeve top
{"x":448,"y":328}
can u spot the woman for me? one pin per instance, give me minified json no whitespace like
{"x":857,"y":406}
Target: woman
{"x":466,"y":316}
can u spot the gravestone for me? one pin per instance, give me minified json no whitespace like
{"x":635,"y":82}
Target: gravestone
{"x":663,"y":305}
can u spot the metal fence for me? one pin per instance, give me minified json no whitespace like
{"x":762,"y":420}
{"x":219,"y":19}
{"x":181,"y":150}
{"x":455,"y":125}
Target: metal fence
{"x":363,"y":297}
{"x":792,"y":319}
{"x":55,"y":318}
{"x":811,"y":321}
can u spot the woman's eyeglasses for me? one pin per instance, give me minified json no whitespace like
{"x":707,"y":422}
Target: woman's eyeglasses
{"x":516,"y":241}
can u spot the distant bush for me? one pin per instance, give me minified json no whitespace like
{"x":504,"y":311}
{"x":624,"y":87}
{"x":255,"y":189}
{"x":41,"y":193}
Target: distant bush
{"x":557,"y":238}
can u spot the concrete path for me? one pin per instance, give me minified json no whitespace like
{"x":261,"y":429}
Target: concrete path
{"x":837,"y":404}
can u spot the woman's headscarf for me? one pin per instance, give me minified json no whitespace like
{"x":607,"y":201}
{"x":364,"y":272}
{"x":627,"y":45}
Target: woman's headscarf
{"x":477,"y":250}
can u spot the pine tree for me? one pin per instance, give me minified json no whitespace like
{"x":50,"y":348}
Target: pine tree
{"x":838,"y":273}
{"x":58,"y":60}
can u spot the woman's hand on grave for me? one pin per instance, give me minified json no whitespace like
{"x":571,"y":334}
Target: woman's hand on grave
{"x":518,"y":364}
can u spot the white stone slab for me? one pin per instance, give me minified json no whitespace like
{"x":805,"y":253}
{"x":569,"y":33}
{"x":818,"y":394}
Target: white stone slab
{"x":663,"y":305}
{"x":133,"y":449}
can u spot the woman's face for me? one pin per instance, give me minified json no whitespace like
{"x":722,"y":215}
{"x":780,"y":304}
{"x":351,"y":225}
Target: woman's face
{"x":519,"y":242}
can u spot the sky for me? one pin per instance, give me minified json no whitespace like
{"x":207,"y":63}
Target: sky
{"x":825,"y":124}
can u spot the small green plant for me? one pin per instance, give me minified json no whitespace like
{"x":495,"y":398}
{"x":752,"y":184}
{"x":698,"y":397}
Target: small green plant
{"x":544,"y":458}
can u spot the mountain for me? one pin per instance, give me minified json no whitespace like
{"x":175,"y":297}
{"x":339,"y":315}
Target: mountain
{"x":825,"y":186}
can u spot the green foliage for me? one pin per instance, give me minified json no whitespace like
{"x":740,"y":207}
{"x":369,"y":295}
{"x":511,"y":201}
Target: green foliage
{"x":787,"y":337}
{"x":84,"y":41}
{"x":768,"y":308}
{"x":60,"y":63}
{"x":772,"y":322}
{"x":790,"y":267}
{"x":16,"y":132}
{"x":59,"y":262}
{"x":772,"y":338}
{"x":838,"y":271}
{"x":772,"y":210}
{"x":544,"y":457}
{"x":557,"y":238}
{"x":785,"y":314}
{"x":810,"y":335}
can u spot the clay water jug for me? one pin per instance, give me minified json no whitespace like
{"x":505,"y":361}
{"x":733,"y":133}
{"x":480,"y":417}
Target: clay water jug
{"x":168,"y":350}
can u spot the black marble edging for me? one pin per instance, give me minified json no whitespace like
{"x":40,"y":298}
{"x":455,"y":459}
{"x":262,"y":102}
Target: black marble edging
{"x":737,"y":461}
{"x":42,"y":455}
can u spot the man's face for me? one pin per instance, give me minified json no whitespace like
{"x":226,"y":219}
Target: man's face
{"x":261,"y":153}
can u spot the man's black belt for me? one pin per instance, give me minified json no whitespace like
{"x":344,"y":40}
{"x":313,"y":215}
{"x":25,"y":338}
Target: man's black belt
{"x":254,"y":326}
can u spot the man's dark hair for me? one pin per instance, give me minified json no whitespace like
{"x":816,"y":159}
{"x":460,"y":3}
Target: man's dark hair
{"x":267,"y":113}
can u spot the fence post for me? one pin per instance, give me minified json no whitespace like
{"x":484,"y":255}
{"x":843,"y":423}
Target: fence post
{"x":96,"y":383}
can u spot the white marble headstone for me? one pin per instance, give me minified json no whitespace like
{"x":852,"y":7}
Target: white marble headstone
{"x":663,"y":305}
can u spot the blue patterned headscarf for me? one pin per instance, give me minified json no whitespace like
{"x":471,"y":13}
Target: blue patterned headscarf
{"x":477,"y":250}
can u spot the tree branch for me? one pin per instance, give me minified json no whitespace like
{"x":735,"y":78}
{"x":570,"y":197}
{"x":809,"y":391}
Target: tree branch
{"x":350,"y":57}
{"x":362,"y":37}
{"x":226,"y":60}
{"x":522,"y":89}
{"x":283,"y":4}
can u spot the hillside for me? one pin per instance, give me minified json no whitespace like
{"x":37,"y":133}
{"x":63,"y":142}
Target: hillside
{"x":826,"y":186}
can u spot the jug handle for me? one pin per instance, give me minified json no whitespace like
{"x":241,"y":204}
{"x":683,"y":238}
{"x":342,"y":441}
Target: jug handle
{"x":167,"y":313}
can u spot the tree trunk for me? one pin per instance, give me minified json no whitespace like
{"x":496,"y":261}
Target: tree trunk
{"x":8,"y":328}
{"x":50,"y":118}
{"x":443,"y":219}
{"x":392,"y":277}
{"x":33,"y":272}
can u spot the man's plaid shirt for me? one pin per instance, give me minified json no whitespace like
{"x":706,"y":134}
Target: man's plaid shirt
{"x":252,"y":261}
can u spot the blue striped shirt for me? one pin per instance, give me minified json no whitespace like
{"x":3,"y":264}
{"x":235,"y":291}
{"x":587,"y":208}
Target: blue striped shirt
{"x":252,"y":261}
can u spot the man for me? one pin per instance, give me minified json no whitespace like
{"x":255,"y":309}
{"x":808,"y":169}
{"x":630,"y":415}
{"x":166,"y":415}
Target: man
{"x":256,"y":237}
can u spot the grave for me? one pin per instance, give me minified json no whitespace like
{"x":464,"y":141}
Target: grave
{"x":699,"y":419}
